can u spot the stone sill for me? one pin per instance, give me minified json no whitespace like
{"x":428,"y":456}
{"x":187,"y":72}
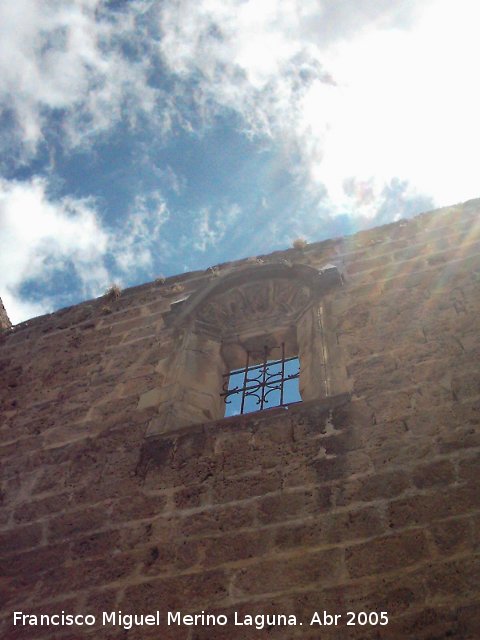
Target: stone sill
{"x":318,"y":406}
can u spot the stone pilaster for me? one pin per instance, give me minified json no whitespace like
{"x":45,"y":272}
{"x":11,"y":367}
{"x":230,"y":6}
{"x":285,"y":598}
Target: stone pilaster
{"x":192,"y":378}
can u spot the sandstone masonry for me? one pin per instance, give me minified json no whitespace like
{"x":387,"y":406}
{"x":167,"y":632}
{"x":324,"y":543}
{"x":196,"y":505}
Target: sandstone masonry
{"x":4,"y":319}
{"x":123,"y":488}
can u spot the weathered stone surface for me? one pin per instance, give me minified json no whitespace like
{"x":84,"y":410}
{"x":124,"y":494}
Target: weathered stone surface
{"x":4,"y":319}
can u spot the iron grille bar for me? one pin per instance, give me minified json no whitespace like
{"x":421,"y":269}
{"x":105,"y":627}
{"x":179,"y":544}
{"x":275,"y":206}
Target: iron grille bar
{"x":245,"y":377}
{"x":264,"y":371}
{"x":283,"y":373}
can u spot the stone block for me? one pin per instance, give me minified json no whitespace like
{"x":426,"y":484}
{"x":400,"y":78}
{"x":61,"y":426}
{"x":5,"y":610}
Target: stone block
{"x":244,"y":488}
{"x":386,"y":554}
{"x":237,"y":547}
{"x":196,"y":589}
{"x":154,"y":397}
{"x":20,"y":538}
{"x":280,"y":574}
{"x":455,"y":578}
{"x":217,"y":520}
{"x":74,"y":523}
{"x":429,"y":507}
{"x":331,"y":528}
{"x":440,"y":472}
{"x":452,"y":536}
{"x":293,"y":504}
{"x":373,"y":487}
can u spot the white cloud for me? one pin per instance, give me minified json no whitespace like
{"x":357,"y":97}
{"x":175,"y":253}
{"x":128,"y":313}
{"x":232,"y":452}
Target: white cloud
{"x":369,"y":92}
{"x":41,"y":236}
{"x":44,"y":238}
{"x":260,"y":59}
{"x":67,"y":56}
{"x":134,"y":247}
{"x":375,"y":90}
{"x":406,"y":106}
{"x":211,"y":227}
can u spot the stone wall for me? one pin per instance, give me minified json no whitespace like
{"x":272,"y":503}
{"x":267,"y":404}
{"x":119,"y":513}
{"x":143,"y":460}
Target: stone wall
{"x":4,"y":319}
{"x":365,"y":501}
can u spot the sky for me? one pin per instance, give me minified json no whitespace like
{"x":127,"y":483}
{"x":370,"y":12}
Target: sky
{"x":146,"y":138}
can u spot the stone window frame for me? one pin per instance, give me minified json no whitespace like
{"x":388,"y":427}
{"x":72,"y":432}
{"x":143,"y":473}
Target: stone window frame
{"x":243,"y":308}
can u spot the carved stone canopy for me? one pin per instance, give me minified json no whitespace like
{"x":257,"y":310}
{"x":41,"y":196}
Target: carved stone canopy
{"x":258,"y":294}
{"x":253,"y":303}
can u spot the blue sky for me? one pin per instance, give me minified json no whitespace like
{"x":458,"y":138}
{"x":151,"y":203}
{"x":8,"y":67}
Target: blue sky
{"x":142,"y":138}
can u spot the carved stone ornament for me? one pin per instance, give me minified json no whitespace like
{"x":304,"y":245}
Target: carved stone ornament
{"x":254,"y":302}
{"x":253,"y":293}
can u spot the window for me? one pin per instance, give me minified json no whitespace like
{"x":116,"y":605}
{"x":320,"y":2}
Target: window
{"x":263,"y":323}
{"x":270,"y":383}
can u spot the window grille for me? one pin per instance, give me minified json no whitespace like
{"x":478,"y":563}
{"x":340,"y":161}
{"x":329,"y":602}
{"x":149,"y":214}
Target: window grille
{"x":272,"y":383}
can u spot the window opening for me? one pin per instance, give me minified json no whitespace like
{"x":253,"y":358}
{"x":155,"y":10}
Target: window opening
{"x":272,"y":383}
